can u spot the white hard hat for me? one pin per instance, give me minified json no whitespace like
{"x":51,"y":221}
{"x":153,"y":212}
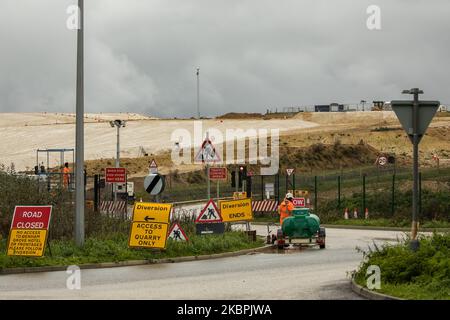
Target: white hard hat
{"x":289,"y":195}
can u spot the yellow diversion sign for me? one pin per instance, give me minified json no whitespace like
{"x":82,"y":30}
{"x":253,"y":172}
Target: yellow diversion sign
{"x":150,"y":225}
{"x":236,"y":210}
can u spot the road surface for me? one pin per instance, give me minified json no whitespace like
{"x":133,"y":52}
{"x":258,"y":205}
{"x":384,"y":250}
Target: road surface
{"x":295,"y":274}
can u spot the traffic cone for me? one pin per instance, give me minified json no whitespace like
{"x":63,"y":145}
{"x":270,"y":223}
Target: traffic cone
{"x":367,"y":213}
{"x":355,"y":213}
{"x":346,"y":214}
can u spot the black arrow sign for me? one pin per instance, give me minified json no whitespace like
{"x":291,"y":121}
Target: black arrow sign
{"x":147,"y":218}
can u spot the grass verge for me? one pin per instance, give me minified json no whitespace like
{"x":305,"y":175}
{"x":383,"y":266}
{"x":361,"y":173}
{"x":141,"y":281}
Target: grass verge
{"x":424,"y":274}
{"x":115,"y":248}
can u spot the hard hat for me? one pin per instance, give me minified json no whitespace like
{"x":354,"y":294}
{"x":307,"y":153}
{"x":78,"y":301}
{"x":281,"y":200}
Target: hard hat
{"x":289,"y":195}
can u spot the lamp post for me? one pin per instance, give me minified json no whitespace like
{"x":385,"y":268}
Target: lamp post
{"x":198,"y":92}
{"x":79,"y":140}
{"x":118,"y":124}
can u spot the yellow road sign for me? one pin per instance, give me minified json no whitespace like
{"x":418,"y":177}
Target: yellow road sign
{"x":27,"y":242}
{"x":152,"y":212}
{"x":236,"y":210}
{"x":148,"y":235}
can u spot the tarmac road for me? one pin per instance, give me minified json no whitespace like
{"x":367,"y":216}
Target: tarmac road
{"x":294,"y":274}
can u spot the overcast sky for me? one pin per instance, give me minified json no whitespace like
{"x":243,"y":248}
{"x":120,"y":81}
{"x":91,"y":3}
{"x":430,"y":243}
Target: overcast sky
{"x":141,"y":55}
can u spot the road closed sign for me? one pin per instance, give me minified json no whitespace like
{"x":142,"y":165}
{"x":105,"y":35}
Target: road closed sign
{"x":150,"y":225}
{"x":29,"y":231}
{"x":236,"y":210}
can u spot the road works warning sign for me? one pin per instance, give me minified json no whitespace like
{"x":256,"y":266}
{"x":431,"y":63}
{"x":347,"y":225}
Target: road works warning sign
{"x":29,"y":230}
{"x":210,"y":213}
{"x":236,"y":210}
{"x":150,"y":225}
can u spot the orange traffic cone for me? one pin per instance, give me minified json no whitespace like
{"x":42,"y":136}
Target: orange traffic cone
{"x":346,"y":214}
{"x":355,"y":213}
{"x":367,"y":213}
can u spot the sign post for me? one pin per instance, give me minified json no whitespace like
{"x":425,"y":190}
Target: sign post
{"x":207,"y":154}
{"x":415,"y":117}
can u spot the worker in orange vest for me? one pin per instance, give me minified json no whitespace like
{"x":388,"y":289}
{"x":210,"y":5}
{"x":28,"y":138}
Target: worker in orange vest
{"x":66,"y":175}
{"x":286,"y":207}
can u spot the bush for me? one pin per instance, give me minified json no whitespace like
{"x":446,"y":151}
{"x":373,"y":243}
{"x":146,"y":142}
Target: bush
{"x":427,"y":270}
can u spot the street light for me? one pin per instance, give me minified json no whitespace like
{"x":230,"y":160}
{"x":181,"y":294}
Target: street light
{"x":198,"y":92}
{"x":79,"y":141}
{"x":118,"y":124}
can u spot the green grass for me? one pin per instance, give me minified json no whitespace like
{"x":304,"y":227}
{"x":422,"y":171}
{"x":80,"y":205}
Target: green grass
{"x":115,"y":248}
{"x":424,"y":274}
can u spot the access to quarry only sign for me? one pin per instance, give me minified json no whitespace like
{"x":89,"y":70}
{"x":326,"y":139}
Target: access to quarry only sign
{"x":150,"y":225}
{"x":236,"y":210}
{"x":29,"y":230}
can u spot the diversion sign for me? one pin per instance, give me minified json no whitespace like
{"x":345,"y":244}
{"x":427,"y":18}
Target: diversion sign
{"x":29,"y":231}
{"x":236,"y":210}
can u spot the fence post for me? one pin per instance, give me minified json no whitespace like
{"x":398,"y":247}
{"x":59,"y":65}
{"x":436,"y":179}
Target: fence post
{"x":278,"y":186}
{"x":293,"y":183}
{"x":262,"y":187}
{"x":420,"y":194}
{"x":339,"y":192}
{"x":393,"y":196}
{"x":364,"y":193}
{"x":96,"y":192}
{"x":315,"y":194}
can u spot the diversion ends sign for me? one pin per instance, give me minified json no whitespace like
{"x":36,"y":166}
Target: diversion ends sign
{"x":236,"y":210}
{"x":29,"y":230}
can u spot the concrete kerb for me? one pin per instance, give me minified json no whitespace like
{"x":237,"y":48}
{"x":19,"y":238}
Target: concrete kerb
{"x":7,"y":271}
{"x":369,"y":294}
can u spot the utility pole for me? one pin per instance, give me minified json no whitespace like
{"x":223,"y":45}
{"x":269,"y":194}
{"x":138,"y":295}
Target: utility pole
{"x":79,"y":163}
{"x":198,"y":93}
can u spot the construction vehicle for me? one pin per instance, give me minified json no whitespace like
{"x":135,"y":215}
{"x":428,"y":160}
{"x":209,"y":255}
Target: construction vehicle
{"x":302,"y":228}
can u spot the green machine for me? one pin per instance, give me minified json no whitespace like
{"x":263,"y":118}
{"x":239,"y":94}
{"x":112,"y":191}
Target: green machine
{"x":301,"y":225}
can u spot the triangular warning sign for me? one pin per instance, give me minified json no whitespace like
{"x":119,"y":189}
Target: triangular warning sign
{"x":289,"y":171}
{"x":210,"y":213}
{"x":153,"y":164}
{"x":177,"y":233}
{"x":207,"y":153}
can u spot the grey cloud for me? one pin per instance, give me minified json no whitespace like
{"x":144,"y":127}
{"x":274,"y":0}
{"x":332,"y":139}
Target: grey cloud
{"x":254,"y":54}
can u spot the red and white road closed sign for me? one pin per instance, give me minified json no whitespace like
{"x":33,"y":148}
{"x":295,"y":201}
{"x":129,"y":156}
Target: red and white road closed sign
{"x":299,"y":202}
{"x":29,"y":231}
{"x":218,"y":173}
{"x":116,"y":175}
{"x":33,"y":217}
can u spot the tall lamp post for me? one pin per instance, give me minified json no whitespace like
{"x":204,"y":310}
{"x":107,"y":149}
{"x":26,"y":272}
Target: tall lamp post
{"x":118,"y":124}
{"x":198,"y":92}
{"x":79,"y":140}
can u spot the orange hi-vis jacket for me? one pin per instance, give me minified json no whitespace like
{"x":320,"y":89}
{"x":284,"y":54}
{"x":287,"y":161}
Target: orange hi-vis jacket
{"x":284,"y":208}
{"x":66,"y":172}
